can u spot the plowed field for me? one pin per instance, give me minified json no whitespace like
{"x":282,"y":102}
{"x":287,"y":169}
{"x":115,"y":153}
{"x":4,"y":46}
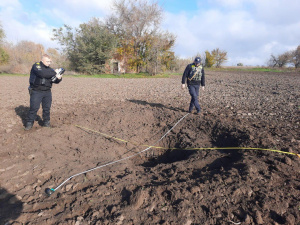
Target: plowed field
{"x":160,"y":185}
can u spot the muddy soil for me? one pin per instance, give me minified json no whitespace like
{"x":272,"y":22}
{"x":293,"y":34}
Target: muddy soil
{"x":159,"y":185}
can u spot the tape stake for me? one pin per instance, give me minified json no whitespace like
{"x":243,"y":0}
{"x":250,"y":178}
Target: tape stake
{"x":105,"y":135}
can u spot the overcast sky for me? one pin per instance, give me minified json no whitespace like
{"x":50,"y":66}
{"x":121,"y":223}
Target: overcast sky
{"x":249,"y":30}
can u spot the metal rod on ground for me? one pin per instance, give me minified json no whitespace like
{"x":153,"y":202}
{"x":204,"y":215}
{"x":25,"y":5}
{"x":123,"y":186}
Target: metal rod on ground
{"x":50,"y":191}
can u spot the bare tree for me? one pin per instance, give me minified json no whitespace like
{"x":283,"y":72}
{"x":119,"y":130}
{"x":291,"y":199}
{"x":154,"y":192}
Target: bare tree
{"x":272,"y":62}
{"x":134,"y":18}
{"x":284,"y":59}
{"x":279,"y":61}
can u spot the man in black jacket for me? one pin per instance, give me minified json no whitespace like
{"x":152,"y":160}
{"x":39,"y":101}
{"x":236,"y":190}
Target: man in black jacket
{"x":194,"y":75}
{"x":41,"y":78}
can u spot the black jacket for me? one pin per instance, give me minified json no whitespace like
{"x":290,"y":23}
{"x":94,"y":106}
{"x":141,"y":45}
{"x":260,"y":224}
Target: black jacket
{"x":40,"y":77}
{"x":187,"y":75}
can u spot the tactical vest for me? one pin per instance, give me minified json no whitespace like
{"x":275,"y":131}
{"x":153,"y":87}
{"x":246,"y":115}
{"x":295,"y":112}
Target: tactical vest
{"x":196,"y":73}
{"x":40,"y":82}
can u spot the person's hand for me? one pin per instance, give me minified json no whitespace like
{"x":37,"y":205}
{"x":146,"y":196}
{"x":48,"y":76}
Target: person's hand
{"x":182,"y":86}
{"x":203,"y":88}
{"x":58,"y":76}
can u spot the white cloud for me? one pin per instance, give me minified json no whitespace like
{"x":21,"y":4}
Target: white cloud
{"x":40,"y":33}
{"x":11,"y":3}
{"x":245,"y":34}
{"x":249,"y":30}
{"x":230,"y":3}
{"x":74,"y":12}
{"x":19,"y":25}
{"x":277,"y":12}
{"x":38,"y":24}
{"x":78,"y":5}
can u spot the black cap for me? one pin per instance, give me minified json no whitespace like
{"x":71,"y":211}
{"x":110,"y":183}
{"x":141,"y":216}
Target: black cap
{"x":197,"y":60}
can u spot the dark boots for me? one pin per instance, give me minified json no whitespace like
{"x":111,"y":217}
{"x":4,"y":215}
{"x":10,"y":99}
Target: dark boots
{"x":28,"y":125}
{"x":46,"y":123}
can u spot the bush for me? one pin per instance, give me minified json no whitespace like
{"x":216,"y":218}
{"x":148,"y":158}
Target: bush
{"x":4,"y":57}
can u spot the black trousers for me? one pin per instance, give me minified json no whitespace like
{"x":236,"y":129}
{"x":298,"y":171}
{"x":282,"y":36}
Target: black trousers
{"x":194,"y":92}
{"x":36,"y":98}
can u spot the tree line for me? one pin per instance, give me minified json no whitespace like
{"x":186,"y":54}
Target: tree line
{"x":129,"y":40}
{"x":287,"y":58}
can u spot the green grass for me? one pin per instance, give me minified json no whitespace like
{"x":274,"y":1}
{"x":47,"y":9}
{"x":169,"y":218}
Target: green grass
{"x":127,"y":75}
{"x":243,"y":69}
{"x":166,"y":75}
{"x":133,"y":75}
{"x":8,"y":74}
{"x":266,"y":70}
{"x":254,"y":69}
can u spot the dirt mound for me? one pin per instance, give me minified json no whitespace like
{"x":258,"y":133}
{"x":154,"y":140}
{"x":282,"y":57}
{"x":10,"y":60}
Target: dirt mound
{"x":162,"y":185}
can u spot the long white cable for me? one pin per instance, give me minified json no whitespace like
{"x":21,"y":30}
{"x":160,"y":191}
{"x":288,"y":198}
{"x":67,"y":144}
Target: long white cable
{"x":128,"y":157}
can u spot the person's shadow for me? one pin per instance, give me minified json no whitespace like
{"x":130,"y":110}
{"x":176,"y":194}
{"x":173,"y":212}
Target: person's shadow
{"x":157,"y":105}
{"x":22,"y":112}
{"x":10,"y":206}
